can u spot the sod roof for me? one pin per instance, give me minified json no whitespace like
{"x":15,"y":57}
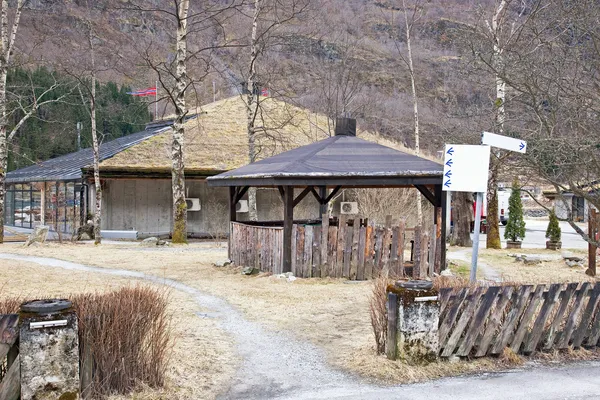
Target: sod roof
{"x":217,"y":140}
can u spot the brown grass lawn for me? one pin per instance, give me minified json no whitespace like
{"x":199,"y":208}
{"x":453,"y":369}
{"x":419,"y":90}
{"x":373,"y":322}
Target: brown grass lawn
{"x":555,"y":271}
{"x":332,"y":314}
{"x":203,"y":356}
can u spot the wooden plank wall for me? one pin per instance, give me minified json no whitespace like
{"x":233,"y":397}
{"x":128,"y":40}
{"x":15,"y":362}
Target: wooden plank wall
{"x":484,"y":321}
{"x":354,"y":249}
{"x":10,"y":380}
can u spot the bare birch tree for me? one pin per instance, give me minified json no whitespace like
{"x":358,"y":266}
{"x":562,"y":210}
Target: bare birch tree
{"x":28,"y":108}
{"x":267,"y":17}
{"x":173,"y":76}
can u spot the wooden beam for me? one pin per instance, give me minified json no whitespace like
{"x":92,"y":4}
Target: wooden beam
{"x":322,"y":195}
{"x":427,"y":193}
{"x":332,"y":194}
{"x":316,"y":195}
{"x":288,"y":222}
{"x":281,"y":192}
{"x":240,"y":193}
{"x":232,"y":216}
{"x":302,"y":195}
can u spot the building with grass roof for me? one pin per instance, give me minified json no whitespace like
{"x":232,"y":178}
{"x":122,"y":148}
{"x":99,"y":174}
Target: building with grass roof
{"x":136,"y":173}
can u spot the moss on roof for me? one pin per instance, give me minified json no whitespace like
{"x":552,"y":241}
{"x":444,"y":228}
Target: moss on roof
{"x":217,"y":139}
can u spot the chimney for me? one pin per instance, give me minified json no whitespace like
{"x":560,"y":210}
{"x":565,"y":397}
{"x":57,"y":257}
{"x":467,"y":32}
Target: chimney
{"x":345,"y":127}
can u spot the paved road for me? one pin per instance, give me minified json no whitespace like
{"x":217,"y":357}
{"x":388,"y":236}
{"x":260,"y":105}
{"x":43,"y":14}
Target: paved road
{"x":535,"y":236}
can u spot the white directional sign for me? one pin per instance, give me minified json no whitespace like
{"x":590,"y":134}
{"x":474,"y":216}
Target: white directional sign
{"x":503,"y":142}
{"x":466,"y":168}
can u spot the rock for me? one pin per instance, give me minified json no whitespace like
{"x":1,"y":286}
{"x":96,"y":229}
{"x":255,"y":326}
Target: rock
{"x":39,"y":235}
{"x":250,"y":271}
{"x":446,"y":272}
{"x":573,"y":258}
{"x":223,"y":263}
{"x":574,"y":264}
{"x":454,"y":359}
{"x":532,"y":260}
{"x":149,"y":242}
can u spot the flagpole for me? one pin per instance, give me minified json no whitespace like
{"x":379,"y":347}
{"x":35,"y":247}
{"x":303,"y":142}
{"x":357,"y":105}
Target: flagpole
{"x":156,"y":101}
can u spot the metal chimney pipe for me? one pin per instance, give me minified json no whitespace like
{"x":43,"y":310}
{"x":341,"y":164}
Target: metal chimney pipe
{"x":345,"y":127}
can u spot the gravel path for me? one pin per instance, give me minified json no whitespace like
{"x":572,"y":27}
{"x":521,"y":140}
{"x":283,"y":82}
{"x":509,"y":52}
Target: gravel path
{"x":487,"y":271}
{"x":274,"y":364}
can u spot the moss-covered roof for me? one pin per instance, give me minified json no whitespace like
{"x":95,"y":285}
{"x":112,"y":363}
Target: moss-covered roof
{"x":217,"y":140}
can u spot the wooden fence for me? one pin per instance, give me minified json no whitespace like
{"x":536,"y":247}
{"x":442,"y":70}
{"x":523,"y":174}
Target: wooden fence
{"x":483,"y":321}
{"x":10,"y":366}
{"x":346,"y":248}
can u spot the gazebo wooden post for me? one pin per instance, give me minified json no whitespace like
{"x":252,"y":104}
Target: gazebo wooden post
{"x":232,"y":216}
{"x":323,"y":195}
{"x":444,"y":212}
{"x":288,"y":221}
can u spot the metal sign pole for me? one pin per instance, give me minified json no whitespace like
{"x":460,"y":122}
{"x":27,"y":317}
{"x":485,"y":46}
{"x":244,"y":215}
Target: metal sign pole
{"x":476,"y":229}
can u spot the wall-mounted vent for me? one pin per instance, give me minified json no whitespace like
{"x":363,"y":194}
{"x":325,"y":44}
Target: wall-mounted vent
{"x":241,"y":206}
{"x":349,"y":207}
{"x":193,"y":204}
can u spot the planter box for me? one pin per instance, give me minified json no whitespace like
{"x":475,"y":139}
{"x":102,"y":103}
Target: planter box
{"x":513,"y":245}
{"x":550,"y":245}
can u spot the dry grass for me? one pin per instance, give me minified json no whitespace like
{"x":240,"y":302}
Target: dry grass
{"x":127,"y":334}
{"x":555,"y":271}
{"x":332,"y":314}
{"x":203,"y":359}
{"x":378,"y":312}
{"x":217,"y":140}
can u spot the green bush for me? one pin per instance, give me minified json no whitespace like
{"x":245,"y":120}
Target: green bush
{"x":553,"y":232}
{"x":515,"y":227}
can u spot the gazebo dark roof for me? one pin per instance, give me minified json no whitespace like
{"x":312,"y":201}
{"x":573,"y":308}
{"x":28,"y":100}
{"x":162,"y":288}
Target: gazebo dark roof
{"x":339,"y":160}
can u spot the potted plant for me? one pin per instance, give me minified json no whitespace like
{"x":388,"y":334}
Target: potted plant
{"x":515,"y":227}
{"x":553,"y":233}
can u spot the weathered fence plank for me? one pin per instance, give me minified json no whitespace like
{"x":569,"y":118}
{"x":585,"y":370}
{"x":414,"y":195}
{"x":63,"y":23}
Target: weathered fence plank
{"x":10,"y":387}
{"x":538,"y":327}
{"x":527,"y":316}
{"x":467,"y":314}
{"x":369,"y":253}
{"x":316,"y":265}
{"x":324,"y":253}
{"x":494,"y":321}
{"x":308,"y":246}
{"x":447,"y":323}
{"x":584,"y":324}
{"x":362,"y":237}
{"x":355,"y":239}
{"x":565,"y":300}
{"x":519,"y":301}
{"x":563,"y":342}
{"x":478,"y":321}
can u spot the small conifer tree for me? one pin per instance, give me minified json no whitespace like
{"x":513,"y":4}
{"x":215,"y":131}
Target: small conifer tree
{"x":553,"y":232}
{"x":515,"y":227}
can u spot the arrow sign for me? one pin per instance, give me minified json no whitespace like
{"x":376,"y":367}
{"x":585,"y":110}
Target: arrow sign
{"x":465,"y":168}
{"x":504,"y":142}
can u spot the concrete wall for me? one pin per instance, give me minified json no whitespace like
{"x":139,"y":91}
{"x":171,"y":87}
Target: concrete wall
{"x":144,"y":205}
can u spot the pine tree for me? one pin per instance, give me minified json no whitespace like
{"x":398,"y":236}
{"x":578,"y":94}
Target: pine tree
{"x":553,"y":232}
{"x":515,"y":228}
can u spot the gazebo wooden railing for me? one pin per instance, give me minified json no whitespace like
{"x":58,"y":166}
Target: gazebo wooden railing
{"x":350,"y":248}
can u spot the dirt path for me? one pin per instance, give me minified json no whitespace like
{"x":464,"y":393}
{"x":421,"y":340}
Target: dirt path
{"x":273,"y":364}
{"x":486,"y":271}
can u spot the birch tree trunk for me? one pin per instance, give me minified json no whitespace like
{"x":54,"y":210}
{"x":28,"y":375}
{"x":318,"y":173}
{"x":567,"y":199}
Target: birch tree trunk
{"x":5,"y":55}
{"x":413,"y":85}
{"x":252,"y":107}
{"x":177,"y":142}
{"x":463,"y":216}
{"x":493,"y":232}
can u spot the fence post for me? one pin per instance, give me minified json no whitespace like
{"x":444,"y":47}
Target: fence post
{"x":49,"y":350}
{"x":592,"y":232}
{"x":392,"y":326}
{"x":418,"y":316}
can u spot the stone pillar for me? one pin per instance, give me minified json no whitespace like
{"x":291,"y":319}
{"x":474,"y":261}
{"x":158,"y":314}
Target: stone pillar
{"x":49,"y":351}
{"x":417,"y":338}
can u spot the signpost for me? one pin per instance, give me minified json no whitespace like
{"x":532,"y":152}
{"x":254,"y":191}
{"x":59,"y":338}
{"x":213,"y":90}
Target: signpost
{"x":466,"y":169}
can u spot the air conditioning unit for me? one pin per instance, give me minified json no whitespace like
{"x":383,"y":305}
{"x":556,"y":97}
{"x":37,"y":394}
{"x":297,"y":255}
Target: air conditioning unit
{"x":241,"y":206}
{"x":193,"y":204}
{"x":349,"y":207}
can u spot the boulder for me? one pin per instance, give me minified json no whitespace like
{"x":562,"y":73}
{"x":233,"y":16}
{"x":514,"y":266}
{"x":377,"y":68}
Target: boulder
{"x":149,"y":242}
{"x":250,"y":271}
{"x":446,"y":272}
{"x":222,"y":263}
{"x":39,"y":235}
{"x":532,"y":260}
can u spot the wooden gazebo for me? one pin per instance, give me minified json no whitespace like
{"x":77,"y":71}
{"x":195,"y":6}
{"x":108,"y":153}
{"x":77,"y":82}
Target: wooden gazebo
{"x":323,"y":168}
